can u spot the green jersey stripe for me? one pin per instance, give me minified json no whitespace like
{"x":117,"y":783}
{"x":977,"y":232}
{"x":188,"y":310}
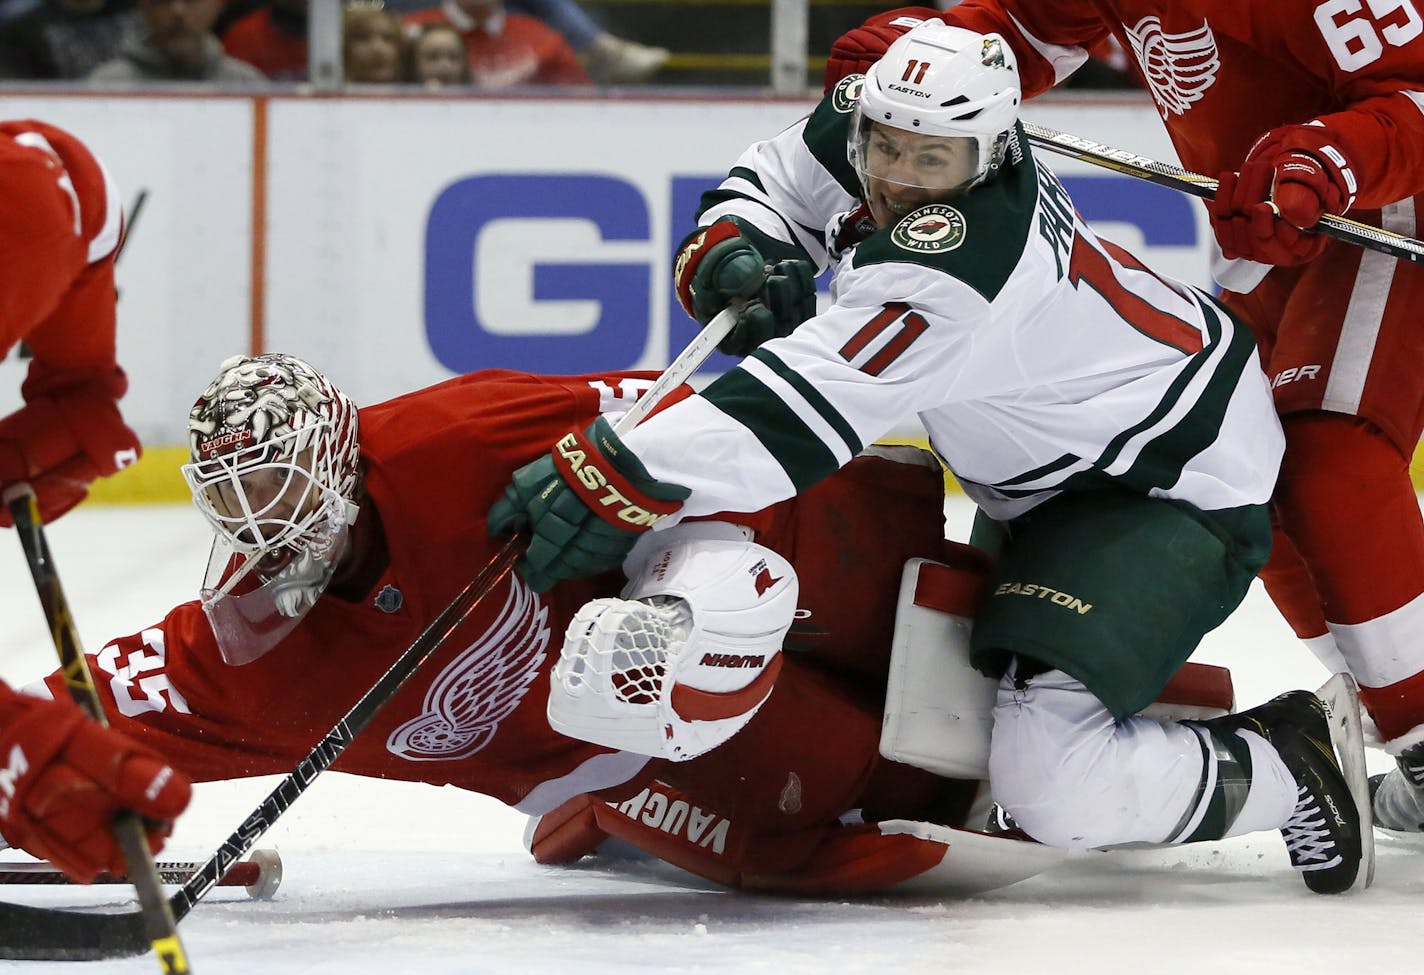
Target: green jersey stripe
{"x":784,"y":435}
{"x":795,"y":231}
{"x":1178,"y":386}
{"x":813,"y":399}
{"x":1160,"y":463}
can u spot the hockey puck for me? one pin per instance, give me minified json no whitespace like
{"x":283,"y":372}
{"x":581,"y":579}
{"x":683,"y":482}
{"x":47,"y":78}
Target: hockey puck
{"x":269,"y":874}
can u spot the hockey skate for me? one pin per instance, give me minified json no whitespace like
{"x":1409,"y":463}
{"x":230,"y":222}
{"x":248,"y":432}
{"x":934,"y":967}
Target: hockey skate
{"x":1397,"y":796}
{"x":1318,"y":737}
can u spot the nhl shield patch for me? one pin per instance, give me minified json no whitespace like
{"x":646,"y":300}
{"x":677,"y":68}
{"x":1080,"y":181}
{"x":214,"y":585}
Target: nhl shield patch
{"x":931,"y":229}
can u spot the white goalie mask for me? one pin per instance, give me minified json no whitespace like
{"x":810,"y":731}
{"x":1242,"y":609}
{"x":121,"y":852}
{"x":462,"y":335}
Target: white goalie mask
{"x":274,"y":470}
{"x":934,"y":116}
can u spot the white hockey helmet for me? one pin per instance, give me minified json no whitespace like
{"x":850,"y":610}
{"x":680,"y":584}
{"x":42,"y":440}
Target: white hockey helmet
{"x":274,"y":468}
{"x":940,"y":81}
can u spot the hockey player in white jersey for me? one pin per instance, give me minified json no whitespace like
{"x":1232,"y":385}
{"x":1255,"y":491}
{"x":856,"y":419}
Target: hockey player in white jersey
{"x":1113,"y":426}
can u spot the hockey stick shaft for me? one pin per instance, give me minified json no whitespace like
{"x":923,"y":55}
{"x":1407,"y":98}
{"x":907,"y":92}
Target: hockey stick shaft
{"x":48,"y":934}
{"x":243,"y":874}
{"x":159,"y":925}
{"x":1172,"y":177}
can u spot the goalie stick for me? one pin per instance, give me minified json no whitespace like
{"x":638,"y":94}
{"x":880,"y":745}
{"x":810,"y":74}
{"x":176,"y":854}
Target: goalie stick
{"x":1142,"y":167}
{"x":53,"y":934}
{"x":158,"y":926}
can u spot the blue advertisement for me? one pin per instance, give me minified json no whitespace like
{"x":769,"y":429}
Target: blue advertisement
{"x":624,"y":290}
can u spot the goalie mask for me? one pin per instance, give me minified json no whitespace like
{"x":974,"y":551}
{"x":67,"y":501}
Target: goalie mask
{"x":274,"y":470}
{"x":934,"y":118}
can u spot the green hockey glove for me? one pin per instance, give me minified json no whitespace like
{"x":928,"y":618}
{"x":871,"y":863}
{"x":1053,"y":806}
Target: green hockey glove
{"x":725,"y":263}
{"x":583,"y":505}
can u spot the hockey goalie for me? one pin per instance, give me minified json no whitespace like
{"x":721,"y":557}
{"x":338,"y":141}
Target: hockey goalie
{"x":722,"y":706}
{"x":786,"y":772}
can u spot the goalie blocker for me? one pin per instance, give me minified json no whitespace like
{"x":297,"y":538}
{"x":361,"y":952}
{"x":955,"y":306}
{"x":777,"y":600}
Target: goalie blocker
{"x":877,"y":800}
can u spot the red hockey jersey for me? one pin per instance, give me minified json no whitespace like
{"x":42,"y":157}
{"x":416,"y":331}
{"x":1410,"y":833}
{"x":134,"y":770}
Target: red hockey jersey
{"x":60,"y":226}
{"x":1223,"y":72}
{"x":474,"y":714}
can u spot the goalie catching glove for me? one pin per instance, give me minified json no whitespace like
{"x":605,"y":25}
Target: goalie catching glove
{"x":687,"y":656}
{"x":726,"y":263}
{"x":583,"y":506}
{"x":63,"y":778}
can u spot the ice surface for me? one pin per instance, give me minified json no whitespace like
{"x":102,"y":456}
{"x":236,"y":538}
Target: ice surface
{"x":390,"y":878}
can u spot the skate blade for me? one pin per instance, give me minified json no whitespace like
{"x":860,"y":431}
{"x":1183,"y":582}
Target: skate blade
{"x":1340,"y":695}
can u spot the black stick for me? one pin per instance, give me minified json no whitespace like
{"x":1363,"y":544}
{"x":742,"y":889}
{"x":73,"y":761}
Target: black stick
{"x":48,"y":934}
{"x":1142,"y":167}
{"x":160,"y":928}
{"x":51,"y":934}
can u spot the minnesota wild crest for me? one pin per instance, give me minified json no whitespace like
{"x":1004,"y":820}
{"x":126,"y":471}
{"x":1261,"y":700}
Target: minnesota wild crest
{"x":930,"y":229}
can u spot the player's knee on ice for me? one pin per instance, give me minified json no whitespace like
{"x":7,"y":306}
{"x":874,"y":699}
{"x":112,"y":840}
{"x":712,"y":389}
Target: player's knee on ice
{"x":1073,"y":777}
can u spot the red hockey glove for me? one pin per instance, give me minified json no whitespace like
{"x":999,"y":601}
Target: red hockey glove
{"x":1291,"y":177}
{"x":857,"y":49}
{"x":61,"y":443}
{"x":63,"y":778}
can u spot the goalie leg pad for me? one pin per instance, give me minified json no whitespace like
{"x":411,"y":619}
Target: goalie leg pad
{"x":900,"y":856}
{"x":939,"y":710}
{"x":683,"y":660}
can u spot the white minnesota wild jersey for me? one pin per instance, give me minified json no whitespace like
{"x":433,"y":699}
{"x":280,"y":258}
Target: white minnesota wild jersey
{"x":1039,"y":357}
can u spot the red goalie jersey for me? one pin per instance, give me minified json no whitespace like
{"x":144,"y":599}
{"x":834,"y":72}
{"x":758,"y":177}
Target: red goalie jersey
{"x":473,"y":716}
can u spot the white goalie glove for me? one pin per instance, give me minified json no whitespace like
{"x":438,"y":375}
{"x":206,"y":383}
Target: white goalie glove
{"x":685,"y":659}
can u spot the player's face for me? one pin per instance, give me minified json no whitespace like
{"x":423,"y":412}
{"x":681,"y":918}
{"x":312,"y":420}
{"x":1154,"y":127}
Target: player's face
{"x":905,"y":170}
{"x":275,"y":495}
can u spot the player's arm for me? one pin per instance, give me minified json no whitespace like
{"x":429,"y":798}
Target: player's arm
{"x":1374,"y":64}
{"x":168,"y":688}
{"x":786,"y":417}
{"x":1049,"y":40}
{"x":760,"y":239}
{"x":63,"y":778}
{"x":70,"y":431}
{"x":802,"y":406}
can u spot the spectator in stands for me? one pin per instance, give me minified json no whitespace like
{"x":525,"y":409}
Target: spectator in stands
{"x":438,"y":58}
{"x":506,"y":49}
{"x":608,"y":59}
{"x":178,"y":44}
{"x":66,"y":39}
{"x":372,"y":45}
{"x":272,"y":37}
